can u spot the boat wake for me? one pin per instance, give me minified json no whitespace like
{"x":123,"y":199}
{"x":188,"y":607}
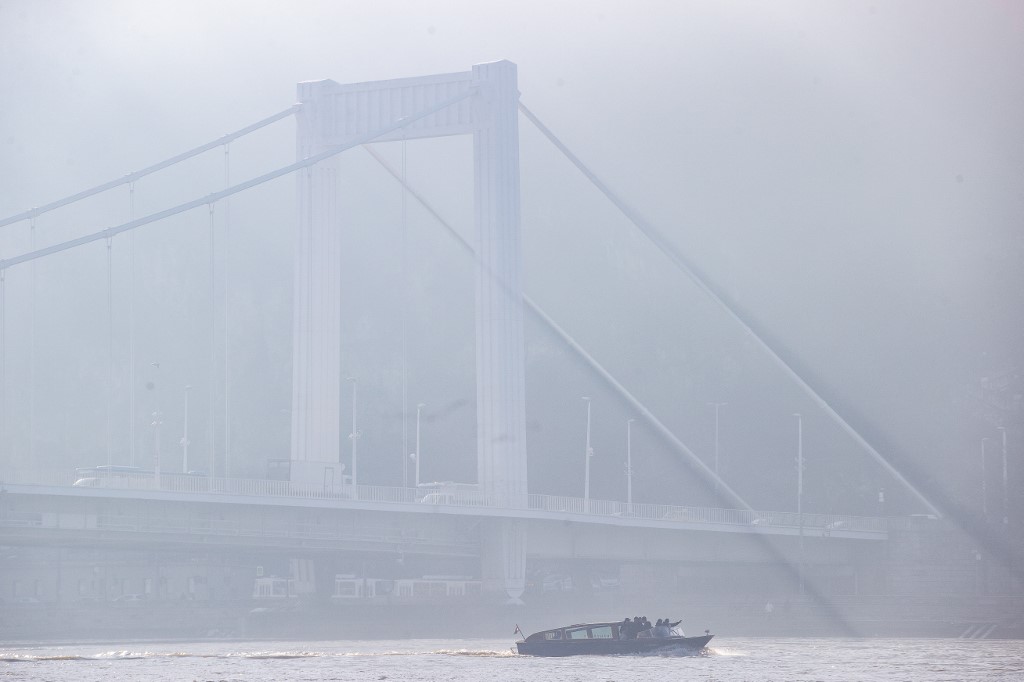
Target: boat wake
{"x":105,"y":656}
{"x":474,"y":652}
{"x":681,"y":652}
{"x":10,"y":657}
{"x":275,"y":655}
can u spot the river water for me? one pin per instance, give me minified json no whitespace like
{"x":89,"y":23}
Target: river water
{"x":728,"y":660}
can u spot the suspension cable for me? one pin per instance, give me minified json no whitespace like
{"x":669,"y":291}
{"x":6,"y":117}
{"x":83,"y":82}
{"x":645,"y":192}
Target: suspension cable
{"x":677,"y":259}
{"x":241,"y":187}
{"x":132,"y":177}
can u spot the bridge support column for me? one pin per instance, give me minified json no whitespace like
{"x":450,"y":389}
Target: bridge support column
{"x":500,"y":370}
{"x":316,"y":338}
{"x":503,"y":559}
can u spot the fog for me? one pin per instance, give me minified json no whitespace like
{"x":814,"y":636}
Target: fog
{"x":846,"y":175}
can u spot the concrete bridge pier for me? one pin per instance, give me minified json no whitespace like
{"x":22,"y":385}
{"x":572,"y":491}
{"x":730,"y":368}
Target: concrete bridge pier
{"x":503,"y":558}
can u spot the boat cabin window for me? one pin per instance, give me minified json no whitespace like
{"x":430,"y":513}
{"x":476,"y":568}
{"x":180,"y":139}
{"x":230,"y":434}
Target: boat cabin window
{"x":603,"y":632}
{"x":579,"y":633}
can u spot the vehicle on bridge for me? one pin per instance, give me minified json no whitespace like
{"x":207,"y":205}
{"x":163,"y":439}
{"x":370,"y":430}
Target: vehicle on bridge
{"x":607,"y":639}
{"x":450,"y":493}
{"x":110,"y":476}
{"x":137,"y":478}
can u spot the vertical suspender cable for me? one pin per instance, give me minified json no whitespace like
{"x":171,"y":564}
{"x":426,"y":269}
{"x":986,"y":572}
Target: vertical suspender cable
{"x":227,"y":354}
{"x":110,"y":350}
{"x":213,"y":350}
{"x":404,"y":310}
{"x":131,"y":325}
{"x":3,"y":366}
{"x":32,"y":353}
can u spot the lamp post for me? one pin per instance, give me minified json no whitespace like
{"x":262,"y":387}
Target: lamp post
{"x":156,"y":423}
{"x":984,"y":482}
{"x":586,"y":459}
{"x":800,"y":493}
{"x":716,"y":406}
{"x":799,"y":464}
{"x":419,"y":407}
{"x":184,"y":442}
{"x":354,"y":437}
{"x":629,"y":465}
{"x":1006,"y":498}
{"x":154,"y":385}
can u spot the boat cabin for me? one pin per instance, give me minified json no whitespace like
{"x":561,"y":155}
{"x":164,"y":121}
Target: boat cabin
{"x":578,"y":631}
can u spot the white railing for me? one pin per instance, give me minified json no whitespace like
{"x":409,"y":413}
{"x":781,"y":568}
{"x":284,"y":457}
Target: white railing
{"x":819,"y":523}
{"x":750,"y":520}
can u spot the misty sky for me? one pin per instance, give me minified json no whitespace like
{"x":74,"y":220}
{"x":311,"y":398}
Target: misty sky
{"x":851,"y":174}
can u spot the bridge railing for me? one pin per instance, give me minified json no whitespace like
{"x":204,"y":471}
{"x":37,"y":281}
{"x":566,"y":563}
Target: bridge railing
{"x":196,"y":484}
{"x":819,"y":524}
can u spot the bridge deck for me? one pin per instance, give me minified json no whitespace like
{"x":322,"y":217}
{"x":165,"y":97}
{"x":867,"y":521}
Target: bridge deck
{"x":183,"y":488}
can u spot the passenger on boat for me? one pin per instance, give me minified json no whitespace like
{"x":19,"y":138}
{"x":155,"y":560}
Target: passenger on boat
{"x":644,"y":629}
{"x":624,"y":628}
{"x":634,"y":628}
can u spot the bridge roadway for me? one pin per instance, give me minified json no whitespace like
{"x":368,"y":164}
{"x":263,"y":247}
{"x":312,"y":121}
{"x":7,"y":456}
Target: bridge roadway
{"x":137,"y":510}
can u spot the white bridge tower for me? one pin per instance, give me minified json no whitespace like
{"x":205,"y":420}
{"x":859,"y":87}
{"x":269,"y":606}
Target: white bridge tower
{"x":332,"y":114}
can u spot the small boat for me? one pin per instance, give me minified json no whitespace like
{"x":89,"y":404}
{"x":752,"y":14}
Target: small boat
{"x":606,"y":639}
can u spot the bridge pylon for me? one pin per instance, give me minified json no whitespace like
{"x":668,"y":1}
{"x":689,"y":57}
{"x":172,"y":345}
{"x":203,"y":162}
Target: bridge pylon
{"x":485,"y":105}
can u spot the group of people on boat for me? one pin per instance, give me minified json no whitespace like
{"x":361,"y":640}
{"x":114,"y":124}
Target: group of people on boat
{"x":639,"y":626}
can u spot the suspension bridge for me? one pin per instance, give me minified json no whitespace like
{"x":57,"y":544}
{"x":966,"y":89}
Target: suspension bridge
{"x":332,"y":119}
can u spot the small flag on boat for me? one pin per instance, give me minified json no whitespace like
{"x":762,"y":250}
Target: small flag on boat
{"x":517,"y":629}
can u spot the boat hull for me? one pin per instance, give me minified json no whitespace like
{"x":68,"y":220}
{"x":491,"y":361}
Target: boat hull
{"x":615,"y":647}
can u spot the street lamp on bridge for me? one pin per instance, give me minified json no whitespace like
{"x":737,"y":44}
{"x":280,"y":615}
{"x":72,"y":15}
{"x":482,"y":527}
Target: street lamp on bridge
{"x":156,"y":424}
{"x":799,"y":466}
{"x":716,"y":406}
{"x":1006,"y":497}
{"x":984,"y":482}
{"x":416,"y":455}
{"x":354,"y":437}
{"x":185,"y":442}
{"x":800,"y":493}
{"x":629,"y":465}
{"x":586,"y":459}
